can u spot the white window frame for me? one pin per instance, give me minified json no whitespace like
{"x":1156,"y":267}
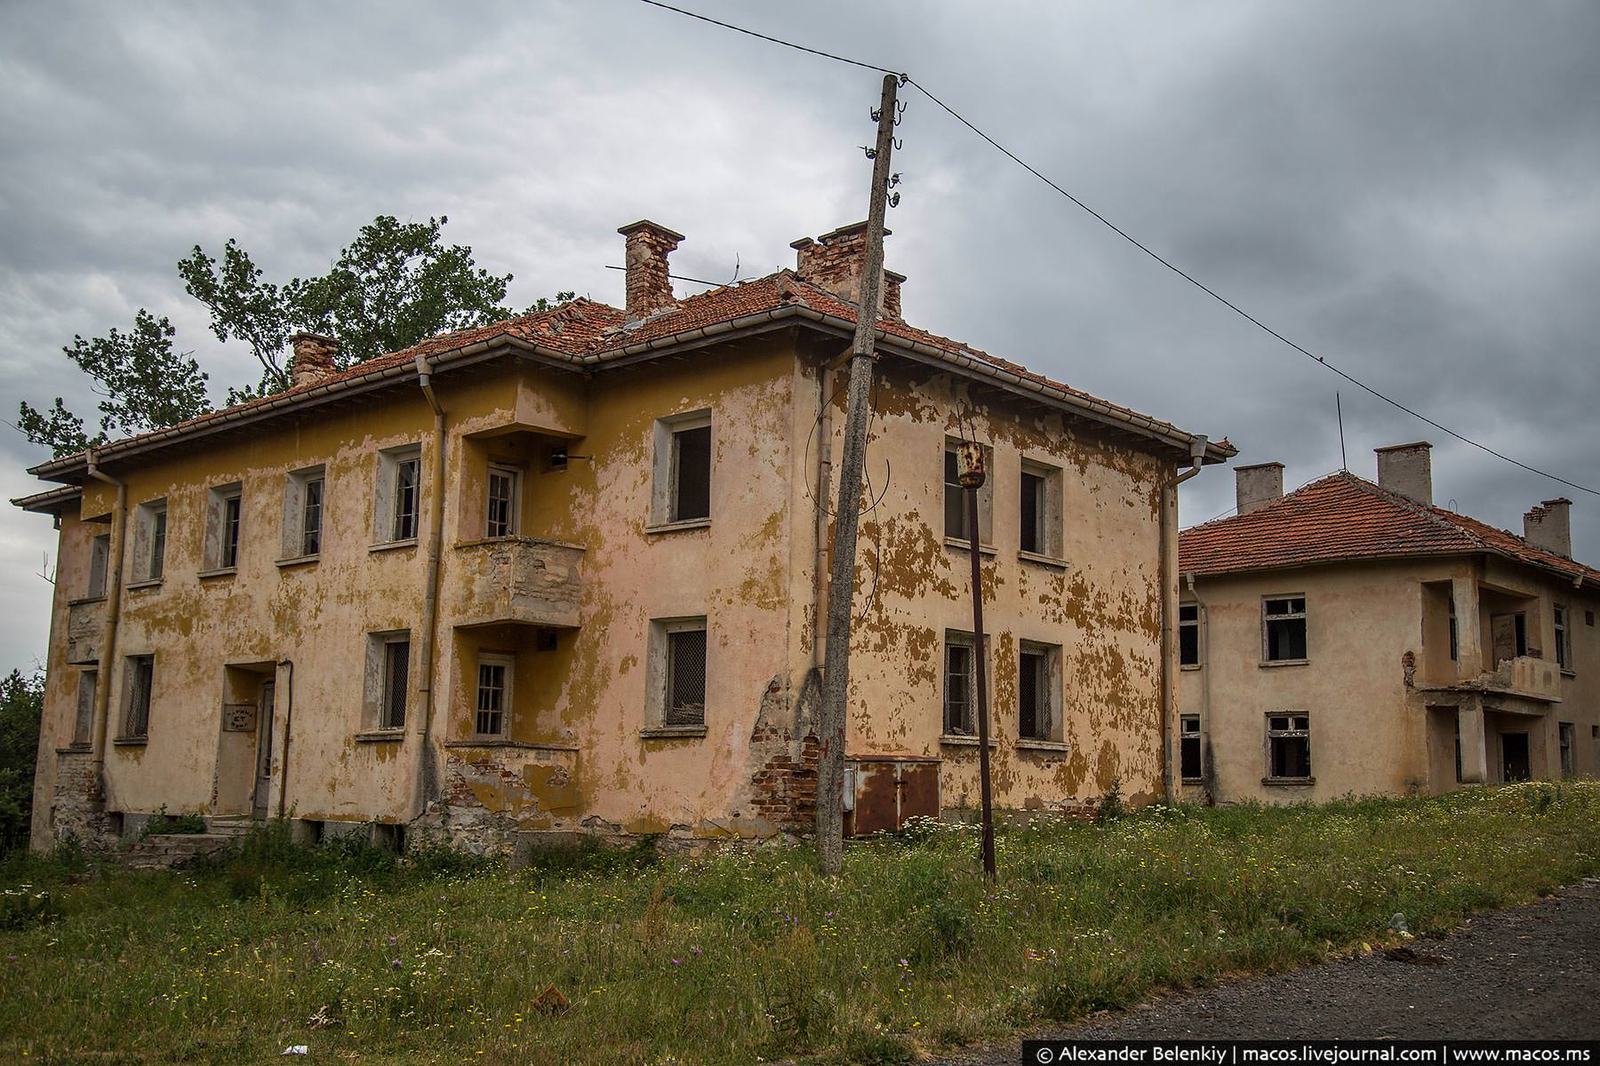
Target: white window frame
{"x":150,"y":531}
{"x":1290,"y":732}
{"x":507,"y":664}
{"x":1049,"y":519}
{"x":386,"y":513}
{"x":379,"y":690}
{"x":215,"y":555}
{"x":1189,"y":730}
{"x":514,"y":504}
{"x":664,"y":513}
{"x":658,"y":676}
{"x":296,"y":505}
{"x":1052,"y":710}
{"x":138,"y":696}
{"x":1303,"y":615}
{"x":962,"y":537}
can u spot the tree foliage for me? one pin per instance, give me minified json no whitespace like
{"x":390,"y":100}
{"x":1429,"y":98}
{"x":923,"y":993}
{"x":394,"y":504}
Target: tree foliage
{"x":21,"y":703}
{"x":394,"y":285}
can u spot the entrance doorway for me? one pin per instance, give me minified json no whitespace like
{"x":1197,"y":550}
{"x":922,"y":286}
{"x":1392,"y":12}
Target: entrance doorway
{"x":1514,"y":755}
{"x":264,"y":704}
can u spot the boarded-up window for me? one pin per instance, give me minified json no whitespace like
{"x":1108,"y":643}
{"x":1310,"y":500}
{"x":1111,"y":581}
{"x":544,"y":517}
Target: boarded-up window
{"x":136,"y":703}
{"x":1189,"y":634}
{"x":99,"y":563}
{"x":494,"y":696}
{"x":1284,"y":629}
{"x":959,"y":685}
{"x":1189,"y":747}
{"x":685,"y":703}
{"x":83,"y":723}
{"x":691,"y":473}
{"x":1288,"y":746}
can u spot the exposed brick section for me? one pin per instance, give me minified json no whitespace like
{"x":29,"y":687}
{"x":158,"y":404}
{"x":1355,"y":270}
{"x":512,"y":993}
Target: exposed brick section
{"x":315,"y":359}
{"x":77,"y":811}
{"x":891,"y":295}
{"x":784,"y":789}
{"x":837,"y":262}
{"x":645,"y":257}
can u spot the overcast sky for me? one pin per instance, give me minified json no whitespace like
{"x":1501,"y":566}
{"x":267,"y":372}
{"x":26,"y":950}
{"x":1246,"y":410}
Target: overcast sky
{"x":1409,"y":189}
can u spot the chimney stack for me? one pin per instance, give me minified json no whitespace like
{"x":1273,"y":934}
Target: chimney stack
{"x":837,"y":261}
{"x":315,"y":358}
{"x":1256,"y":486}
{"x":1407,"y":469}
{"x":647,"y":247}
{"x":1549,"y":526}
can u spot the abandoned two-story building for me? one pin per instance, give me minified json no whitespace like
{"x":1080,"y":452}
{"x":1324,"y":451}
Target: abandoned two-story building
{"x":563,"y":573}
{"x":1352,"y":637}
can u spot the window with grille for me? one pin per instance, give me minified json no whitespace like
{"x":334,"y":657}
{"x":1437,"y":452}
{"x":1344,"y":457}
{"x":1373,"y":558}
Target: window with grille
{"x":500,"y":508}
{"x":494,"y":696}
{"x":1563,"y":636}
{"x":1188,"y":634}
{"x":1037,"y":691}
{"x":136,"y":703}
{"x":1288,"y":746}
{"x":1284,"y":629}
{"x":959,"y":685}
{"x":1189,"y":747}
{"x":388,"y":679}
{"x":685,"y":703}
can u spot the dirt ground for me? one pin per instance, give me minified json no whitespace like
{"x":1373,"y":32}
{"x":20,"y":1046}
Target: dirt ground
{"x":1530,"y":971}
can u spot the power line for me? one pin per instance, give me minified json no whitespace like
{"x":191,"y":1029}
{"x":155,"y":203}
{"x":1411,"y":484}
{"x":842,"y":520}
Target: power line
{"x":1141,"y":246}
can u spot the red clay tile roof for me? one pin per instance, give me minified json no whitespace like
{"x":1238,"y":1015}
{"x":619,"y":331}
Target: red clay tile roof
{"x":588,"y":333}
{"x":1344,"y":517}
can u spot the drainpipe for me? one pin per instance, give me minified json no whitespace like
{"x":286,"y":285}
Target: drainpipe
{"x":1169,"y":610}
{"x":430,"y":591}
{"x":108,"y":628}
{"x":288,"y":725}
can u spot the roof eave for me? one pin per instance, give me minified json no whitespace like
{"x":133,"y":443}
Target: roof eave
{"x":51,"y":501}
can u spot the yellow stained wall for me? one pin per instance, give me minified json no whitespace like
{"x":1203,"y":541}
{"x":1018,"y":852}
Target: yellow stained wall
{"x":575,"y":752}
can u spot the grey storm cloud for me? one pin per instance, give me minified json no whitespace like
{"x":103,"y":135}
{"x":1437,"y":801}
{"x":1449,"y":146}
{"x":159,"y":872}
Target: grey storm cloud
{"x":1407,"y":189}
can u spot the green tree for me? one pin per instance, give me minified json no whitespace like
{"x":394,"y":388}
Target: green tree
{"x":394,"y":285}
{"x":21,"y":703}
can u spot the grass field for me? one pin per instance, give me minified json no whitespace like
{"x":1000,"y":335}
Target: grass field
{"x":738,"y":958}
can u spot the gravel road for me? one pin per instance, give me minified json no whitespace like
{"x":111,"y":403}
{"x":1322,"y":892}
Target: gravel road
{"x":1529,"y":971}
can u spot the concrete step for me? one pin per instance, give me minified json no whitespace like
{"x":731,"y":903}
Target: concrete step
{"x":231,"y":826}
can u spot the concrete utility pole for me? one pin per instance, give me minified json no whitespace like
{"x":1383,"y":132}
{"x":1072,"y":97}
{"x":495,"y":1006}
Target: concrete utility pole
{"x":972,"y":475}
{"x":841,"y":602}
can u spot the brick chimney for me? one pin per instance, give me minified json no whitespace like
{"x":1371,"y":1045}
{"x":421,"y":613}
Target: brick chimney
{"x":1256,"y":486}
{"x":836,"y":261}
{"x":1407,"y":469}
{"x":315,"y":358}
{"x":1549,"y":526}
{"x":645,"y":257}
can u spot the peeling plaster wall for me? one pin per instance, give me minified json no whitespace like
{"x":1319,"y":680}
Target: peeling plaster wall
{"x":576,"y":756}
{"x":1370,"y":731}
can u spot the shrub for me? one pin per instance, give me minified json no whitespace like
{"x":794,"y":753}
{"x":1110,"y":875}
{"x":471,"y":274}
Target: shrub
{"x":161,"y":823}
{"x":1111,"y":806}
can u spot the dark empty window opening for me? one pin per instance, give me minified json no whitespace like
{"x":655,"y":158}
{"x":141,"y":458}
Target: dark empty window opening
{"x":490,"y":720}
{"x":311,"y":518}
{"x":1033,"y":694}
{"x":396,"y":681}
{"x":228,"y":555}
{"x":407,"y":474}
{"x":1189,"y":747}
{"x":1288,"y":746}
{"x":141,"y":680}
{"x":686,"y":678}
{"x":958,"y":687}
{"x":1033,"y":513}
{"x":1189,"y":634}
{"x":691,"y":474}
{"x":1285,"y":625}
{"x":1566,"y":731}
{"x":501,"y":504}
{"x":1563,"y":639}
{"x":1455,"y":638}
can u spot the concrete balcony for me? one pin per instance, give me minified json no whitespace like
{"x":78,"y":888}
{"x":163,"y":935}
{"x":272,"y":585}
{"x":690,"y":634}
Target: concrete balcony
{"x":85,"y":619}
{"x":519,"y":580}
{"x":1537,"y":679}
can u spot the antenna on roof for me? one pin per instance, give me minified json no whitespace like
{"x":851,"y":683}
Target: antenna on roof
{"x":1338,"y":408}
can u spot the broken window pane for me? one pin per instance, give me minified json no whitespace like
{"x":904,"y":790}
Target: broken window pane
{"x":1189,"y":747}
{"x":691,"y":474}
{"x":1289,"y":746}
{"x":1285,"y":629}
{"x":686,"y":678}
{"x":141,"y":678}
{"x":501,"y":503}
